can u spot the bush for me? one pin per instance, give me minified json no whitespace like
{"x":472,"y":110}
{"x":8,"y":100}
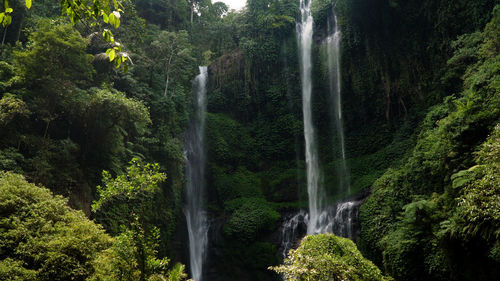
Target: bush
{"x":328,"y":257}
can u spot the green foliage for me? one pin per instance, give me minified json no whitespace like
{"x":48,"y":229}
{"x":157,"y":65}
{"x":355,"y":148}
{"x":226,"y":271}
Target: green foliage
{"x":166,"y":14}
{"x":395,"y":54}
{"x":412,"y":250}
{"x":56,"y":55}
{"x":243,"y":257}
{"x":132,"y":195}
{"x":116,"y":109}
{"x":11,"y":269}
{"x":282,"y":181}
{"x":367,"y":167}
{"x":251,"y":217}
{"x":227,"y":141}
{"x":446,"y":192}
{"x":328,"y":257}
{"x":42,"y":238}
{"x":260,"y":255}
{"x":10,"y":160}
{"x":90,"y":13}
{"x":66,"y":135}
{"x":478,"y":206}
{"x":495,"y":252}
{"x":133,"y":257}
{"x":172,"y":54}
{"x":10,"y":108}
{"x":140,"y":180}
{"x":240,"y":183}
{"x":121,"y":119}
{"x":62,"y":123}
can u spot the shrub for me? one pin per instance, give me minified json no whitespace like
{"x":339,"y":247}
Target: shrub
{"x":328,"y":257}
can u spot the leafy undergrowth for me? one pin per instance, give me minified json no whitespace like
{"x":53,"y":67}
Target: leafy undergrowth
{"x":435,"y":217}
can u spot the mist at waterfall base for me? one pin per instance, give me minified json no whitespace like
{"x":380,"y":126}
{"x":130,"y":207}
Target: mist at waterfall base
{"x":340,"y":218}
{"x":196,"y":217}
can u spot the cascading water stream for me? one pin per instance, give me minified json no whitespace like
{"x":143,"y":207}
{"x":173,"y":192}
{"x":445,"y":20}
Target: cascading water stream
{"x":334,"y":73}
{"x":304,"y":34}
{"x":196,"y":217}
{"x":340,"y":218}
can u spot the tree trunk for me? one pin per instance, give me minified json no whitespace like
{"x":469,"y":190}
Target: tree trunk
{"x":168,"y":72}
{"x":387,"y":88}
{"x":192,"y":12}
{"x":46,"y":128}
{"x":4,"y":34}
{"x":401,"y":102}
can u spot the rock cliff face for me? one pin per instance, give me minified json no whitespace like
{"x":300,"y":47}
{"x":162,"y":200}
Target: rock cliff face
{"x":227,"y":68}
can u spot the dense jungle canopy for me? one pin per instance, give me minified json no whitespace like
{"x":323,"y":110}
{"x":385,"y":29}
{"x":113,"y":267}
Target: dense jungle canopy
{"x":98,"y":99}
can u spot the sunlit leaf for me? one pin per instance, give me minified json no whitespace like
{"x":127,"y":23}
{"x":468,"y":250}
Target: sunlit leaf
{"x":7,"y":20}
{"x":112,"y":55}
{"x":111,"y":19}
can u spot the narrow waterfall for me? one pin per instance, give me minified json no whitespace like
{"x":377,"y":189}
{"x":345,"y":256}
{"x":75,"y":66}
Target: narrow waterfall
{"x":304,"y":34}
{"x":196,"y":217}
{"x":334,"y":74}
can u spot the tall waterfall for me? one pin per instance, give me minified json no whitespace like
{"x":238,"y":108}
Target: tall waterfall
{"x":334,"y":74}
{"x":304,"y":34}
{"x":340,"y":218}
{"x":196,"y":217}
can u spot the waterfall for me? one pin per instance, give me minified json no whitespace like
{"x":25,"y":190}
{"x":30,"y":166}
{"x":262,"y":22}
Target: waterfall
{"x":334,"y":74}
{"x":304,"y":34}
{"x":340,"y":219}
{"x":196,"y":217}
{"x":292,"y":229}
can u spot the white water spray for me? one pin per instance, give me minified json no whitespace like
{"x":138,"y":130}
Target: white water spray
{"x":196,"y":217}
{"x":340,"y":219}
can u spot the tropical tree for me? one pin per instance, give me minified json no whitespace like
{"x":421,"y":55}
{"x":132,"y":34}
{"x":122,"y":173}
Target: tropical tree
{"x":173,"y":54}
{"x":90,"y":13}
{"x":133,"y":255}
